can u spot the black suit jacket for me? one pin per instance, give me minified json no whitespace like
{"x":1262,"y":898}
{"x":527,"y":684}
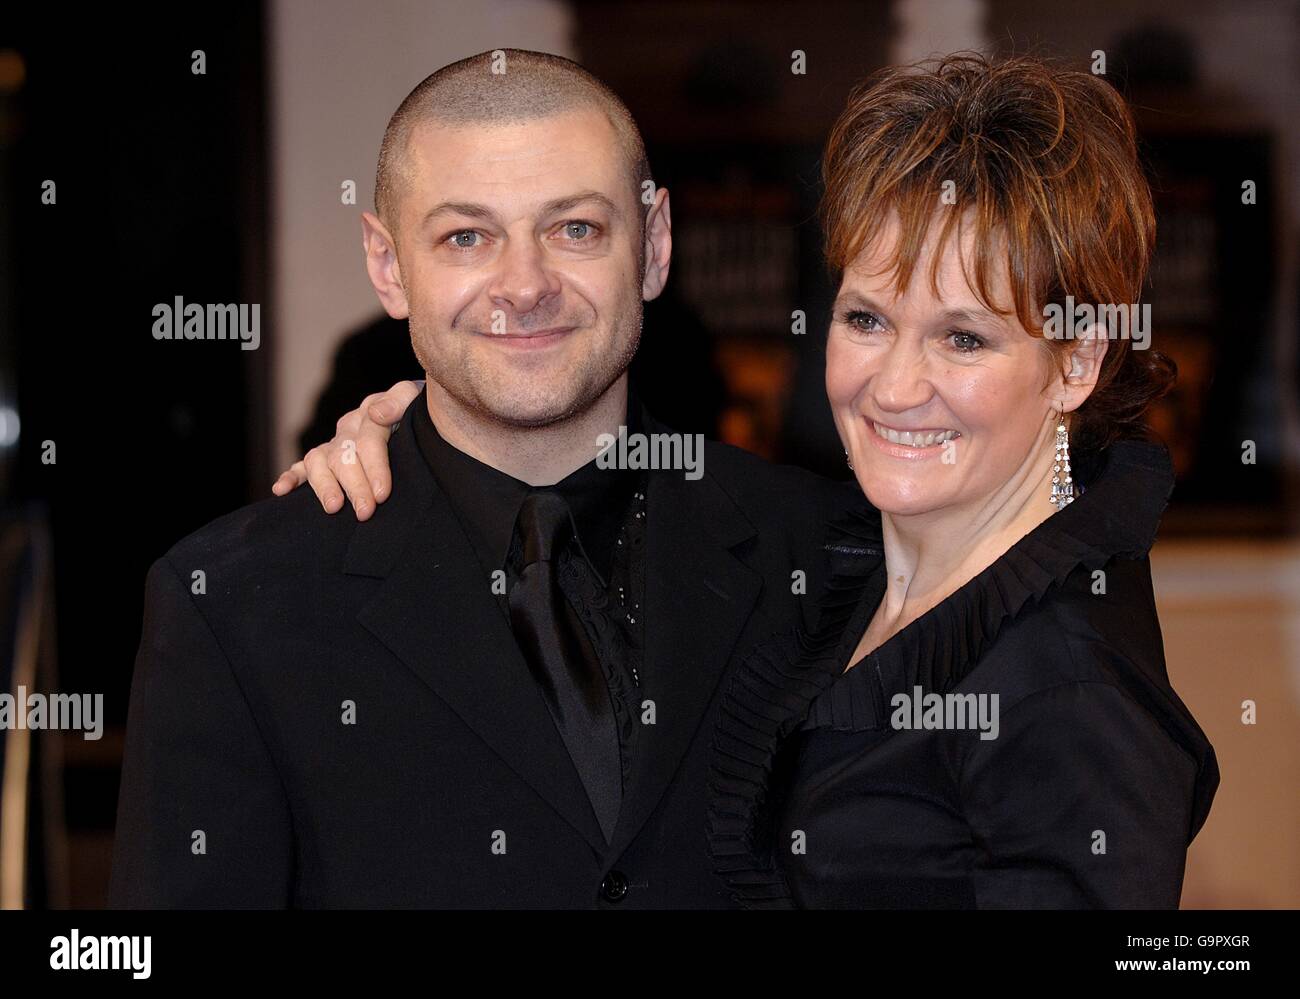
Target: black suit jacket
{"x":342,"y":719}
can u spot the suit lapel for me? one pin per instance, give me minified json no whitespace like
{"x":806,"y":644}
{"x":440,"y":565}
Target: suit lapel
{"x":698,"y":597}
{"x":436,"y":613}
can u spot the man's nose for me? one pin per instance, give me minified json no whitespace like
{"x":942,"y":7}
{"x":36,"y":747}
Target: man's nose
{"x":523,"y":279}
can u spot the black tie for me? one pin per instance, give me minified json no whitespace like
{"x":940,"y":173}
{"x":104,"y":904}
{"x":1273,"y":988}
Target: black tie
{"x":559,"y":653}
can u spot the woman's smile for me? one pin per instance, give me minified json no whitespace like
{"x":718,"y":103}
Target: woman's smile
{"x":915,"y":439}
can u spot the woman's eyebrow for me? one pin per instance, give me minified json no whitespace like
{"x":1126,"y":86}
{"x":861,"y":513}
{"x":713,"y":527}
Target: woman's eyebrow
{"x":857,"y":300}
{"x":970,"y":315}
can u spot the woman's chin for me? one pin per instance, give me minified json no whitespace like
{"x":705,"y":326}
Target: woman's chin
{"x":903,"y":499}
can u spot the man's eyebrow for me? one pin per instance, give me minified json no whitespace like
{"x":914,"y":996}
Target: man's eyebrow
{"x":573,"y":200}
{"x":469,"y":209}
{"x":466,"y":208}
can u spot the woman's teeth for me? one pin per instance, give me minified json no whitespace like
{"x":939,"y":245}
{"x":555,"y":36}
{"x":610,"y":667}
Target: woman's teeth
{"x":915,"y":438}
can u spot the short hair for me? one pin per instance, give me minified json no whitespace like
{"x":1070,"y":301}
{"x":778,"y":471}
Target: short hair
{"x":475,"y":91}
{"x":1046,"y":160}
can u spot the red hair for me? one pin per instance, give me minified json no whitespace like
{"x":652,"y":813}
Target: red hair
{"x":1043,"y":163}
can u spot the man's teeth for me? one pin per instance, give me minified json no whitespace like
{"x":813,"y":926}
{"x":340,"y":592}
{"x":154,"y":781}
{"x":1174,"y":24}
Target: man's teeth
{"x":918,"y":438}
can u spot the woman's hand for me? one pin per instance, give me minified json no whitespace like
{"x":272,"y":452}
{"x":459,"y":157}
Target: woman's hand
{"x":357,"y":458}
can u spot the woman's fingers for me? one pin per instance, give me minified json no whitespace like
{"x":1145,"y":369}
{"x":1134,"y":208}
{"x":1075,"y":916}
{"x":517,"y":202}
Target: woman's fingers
{"x":322,"y":480}
{"x":389,"y":406}
{"x":290,"y":479}
{"x":376,"y":426}
{"x":355,"y":462}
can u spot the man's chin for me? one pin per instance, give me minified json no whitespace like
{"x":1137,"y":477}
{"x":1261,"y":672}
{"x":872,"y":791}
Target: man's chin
{"x":536,"y":411}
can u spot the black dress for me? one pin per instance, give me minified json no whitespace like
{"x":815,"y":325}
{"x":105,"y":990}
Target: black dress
{"x":828,"y":793}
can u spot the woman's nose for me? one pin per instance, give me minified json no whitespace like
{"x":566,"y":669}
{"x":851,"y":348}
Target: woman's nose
{"x":901,"y":381}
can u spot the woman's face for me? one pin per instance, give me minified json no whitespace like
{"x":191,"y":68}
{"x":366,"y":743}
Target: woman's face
{"x":939,"y":402}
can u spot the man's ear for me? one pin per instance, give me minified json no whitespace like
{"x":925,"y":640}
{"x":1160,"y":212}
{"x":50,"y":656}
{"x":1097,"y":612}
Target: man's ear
{"x":1083,"y":367}
{"x":382,"y":266}
{"x":658,"y":245}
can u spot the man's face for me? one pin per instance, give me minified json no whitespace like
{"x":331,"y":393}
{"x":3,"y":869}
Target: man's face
{"x":519,"y":252}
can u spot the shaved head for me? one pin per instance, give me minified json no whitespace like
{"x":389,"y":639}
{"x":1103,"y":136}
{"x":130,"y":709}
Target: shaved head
{"x":503,"y":86}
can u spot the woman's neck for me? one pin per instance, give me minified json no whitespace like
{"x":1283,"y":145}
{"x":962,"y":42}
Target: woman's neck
{"x":929,"y":556}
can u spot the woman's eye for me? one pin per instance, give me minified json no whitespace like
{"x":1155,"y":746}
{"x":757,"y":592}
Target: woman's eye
{"x":466,"y":239}
{"x":966,"y":343}
{"x":865,"y":322}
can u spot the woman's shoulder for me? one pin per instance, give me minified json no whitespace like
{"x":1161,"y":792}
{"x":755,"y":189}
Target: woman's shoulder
{"x":1074,"y":595}
{"x":1098,"y":620}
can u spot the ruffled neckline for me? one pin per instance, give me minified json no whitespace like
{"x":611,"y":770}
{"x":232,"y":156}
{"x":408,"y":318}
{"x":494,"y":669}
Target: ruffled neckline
{"x":1116,"y":514}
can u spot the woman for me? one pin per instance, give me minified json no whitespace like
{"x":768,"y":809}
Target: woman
{"x":981,"y":717}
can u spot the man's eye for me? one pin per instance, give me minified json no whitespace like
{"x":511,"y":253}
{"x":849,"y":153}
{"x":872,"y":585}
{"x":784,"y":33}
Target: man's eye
{"x":577,"y":230}
{"x":466,"y":239}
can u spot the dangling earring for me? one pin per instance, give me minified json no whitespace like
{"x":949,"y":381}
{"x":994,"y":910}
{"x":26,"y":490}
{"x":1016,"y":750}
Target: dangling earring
{"x":1062,"y":491}
{"x":848,"y":460}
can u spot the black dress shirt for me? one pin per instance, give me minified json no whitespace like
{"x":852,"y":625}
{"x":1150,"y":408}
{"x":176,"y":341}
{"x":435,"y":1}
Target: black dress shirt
{"x":601,"y":573}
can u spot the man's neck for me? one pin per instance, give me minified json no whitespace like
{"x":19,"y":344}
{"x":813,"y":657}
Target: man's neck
{"x":540,"y":456}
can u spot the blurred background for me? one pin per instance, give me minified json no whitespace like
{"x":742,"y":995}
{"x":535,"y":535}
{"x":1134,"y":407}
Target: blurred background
{"x":128,"y":178}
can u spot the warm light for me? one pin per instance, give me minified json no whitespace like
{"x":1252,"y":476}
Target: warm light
{"x":13,"y":71}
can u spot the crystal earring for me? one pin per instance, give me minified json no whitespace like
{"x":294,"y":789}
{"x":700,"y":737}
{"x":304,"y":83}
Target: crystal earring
{"x":848,"y":461}
{"x":1062,"y":482}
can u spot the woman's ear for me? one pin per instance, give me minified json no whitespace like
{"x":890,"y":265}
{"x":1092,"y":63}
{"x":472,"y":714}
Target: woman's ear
{"x":1083,"y":367}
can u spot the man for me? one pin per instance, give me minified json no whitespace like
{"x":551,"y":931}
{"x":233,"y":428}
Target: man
{"x":499,"y":689}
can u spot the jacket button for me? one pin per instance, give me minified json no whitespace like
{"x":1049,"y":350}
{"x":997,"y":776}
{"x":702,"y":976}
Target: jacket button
{"x":614,"y":887}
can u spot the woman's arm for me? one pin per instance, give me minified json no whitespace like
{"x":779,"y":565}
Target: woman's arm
{"x":1082,"y":801}
{"x":356,"y":460}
